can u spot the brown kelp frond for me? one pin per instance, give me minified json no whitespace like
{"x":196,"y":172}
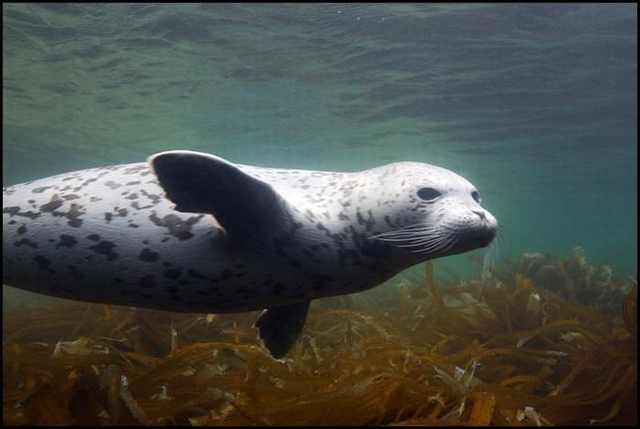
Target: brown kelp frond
{"x":522,"y":346}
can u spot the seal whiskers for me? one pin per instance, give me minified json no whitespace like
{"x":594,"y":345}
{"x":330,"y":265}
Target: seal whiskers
{"x":419,"y":238}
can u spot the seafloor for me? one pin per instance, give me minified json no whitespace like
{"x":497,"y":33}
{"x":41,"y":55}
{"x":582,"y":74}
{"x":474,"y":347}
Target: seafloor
{"x":544,"y":341}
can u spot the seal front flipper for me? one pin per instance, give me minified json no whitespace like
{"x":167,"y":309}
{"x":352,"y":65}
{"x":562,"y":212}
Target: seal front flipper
{"x":279,"y":327}
{"x":201,"y":183}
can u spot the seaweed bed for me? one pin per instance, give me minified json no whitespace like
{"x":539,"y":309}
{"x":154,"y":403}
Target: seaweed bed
{"x":545,"y":341}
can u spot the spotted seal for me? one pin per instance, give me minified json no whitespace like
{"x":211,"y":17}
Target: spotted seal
{"x":192,"y":232}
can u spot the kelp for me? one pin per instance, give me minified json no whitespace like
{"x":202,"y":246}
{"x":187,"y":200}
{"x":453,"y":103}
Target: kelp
{"x":574,"y":279}
{"x":504,"y":349}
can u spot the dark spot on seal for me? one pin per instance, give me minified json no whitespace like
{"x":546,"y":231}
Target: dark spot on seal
{"x":66,"y":241}
{"x":134,"y":225}
{"x":55,"y":203}
{"x":72,"y":215}
{"x":41,"y":189}
{"x":86,"y":182}
{"x":135,"y":182}
{"x":105,"y":248}
{"x":155,"y":199}
{"x":121,"y":212}
{"x":148,"y":255}
{"x":147,"y":281}
{"x":112,"y":185}
{"x":15,"y":211}
{"x":43,"y":263}
{"x":22,"y":229}
{"x":94,"y":199}
{"x":369,"y":222}
{"x":132,"y":196}
{"x":387,"y":220}
{"x":135,"y":169}
{"x":71,"y":197}
{"x":137,"y":206}
{"x":12,"y":222}
{"x":108,"y":217}
{"x":177,"y":226}
{"x":93,"y":237}
{"x":26,"y":242}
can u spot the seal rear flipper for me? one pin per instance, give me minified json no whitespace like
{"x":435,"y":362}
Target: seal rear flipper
{"x":279,"y":327}
{"x":201,"y":183}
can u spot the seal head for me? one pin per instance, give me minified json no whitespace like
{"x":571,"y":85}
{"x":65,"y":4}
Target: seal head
{"x":430,"y":212}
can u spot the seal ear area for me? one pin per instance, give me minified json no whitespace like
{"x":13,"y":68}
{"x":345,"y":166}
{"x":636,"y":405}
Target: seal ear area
{"x":201,"y":183}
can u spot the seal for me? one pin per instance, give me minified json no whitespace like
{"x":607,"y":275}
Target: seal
{"x":192,"y":232}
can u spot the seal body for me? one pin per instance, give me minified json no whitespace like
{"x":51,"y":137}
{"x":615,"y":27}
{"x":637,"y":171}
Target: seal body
{"x":192,"y":232}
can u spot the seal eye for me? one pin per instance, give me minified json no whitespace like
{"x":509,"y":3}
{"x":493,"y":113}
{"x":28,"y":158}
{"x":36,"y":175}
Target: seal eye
{"x":428,"y":194}
{"x":476,"y":197}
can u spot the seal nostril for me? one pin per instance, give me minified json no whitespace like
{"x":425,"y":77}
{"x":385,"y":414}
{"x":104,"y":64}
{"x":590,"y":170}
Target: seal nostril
{"x":480,"y":214}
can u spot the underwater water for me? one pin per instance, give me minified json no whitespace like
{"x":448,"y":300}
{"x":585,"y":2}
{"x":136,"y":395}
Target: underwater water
{"x":536,"y":105}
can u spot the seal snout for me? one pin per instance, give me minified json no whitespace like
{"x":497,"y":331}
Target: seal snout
{"x":489,"y":226}
{"x":485,"y":227}
{"x":480,"y":214}
{"x":487,"y":220}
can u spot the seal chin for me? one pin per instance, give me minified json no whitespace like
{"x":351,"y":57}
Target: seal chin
{"x":472,"y":239}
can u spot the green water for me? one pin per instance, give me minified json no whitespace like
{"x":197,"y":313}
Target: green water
{"x":534,"y":104}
